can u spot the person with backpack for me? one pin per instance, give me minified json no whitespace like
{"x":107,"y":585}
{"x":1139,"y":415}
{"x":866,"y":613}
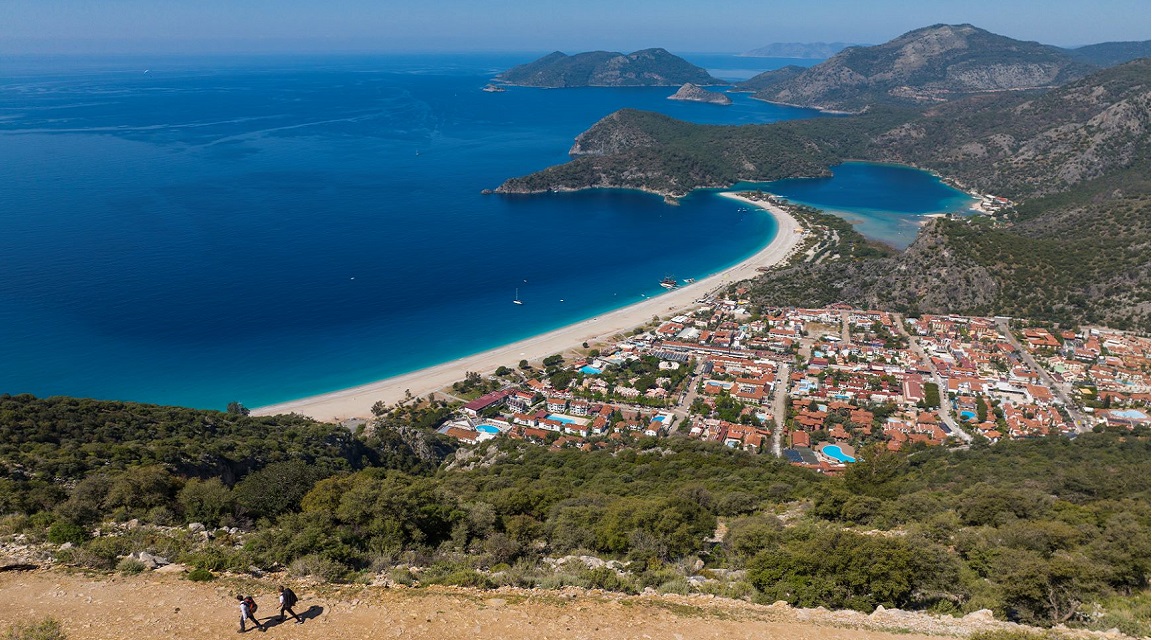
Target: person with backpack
{"x":248,"y":608}
{"x":288,"y":600}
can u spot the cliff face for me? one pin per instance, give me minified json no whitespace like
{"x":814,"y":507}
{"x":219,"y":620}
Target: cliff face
{"x":927,"y":65}
{"x":692,"y":93}
{"x":648,"y":67}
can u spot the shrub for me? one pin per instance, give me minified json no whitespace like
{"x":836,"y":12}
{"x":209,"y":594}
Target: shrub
{"x":130,"y":566}
{"x":13,"y":523}
{"x":46,"y":629}
{"x":318,"y":567}
{"x":214,"y":558}
{"x":523,"y":574}
{"x":200,"y":575}
{"x":607,"y":579}
{"x":61,"y":532}
{"x":402,"y":575}
{"x":466,"y":578}
{"x":82,"y":557}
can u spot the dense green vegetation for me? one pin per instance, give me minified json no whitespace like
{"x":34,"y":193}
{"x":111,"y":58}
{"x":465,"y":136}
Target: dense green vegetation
{"x":1082,"y":273}
{"x":1043,"y":531}
{"x":648,"y":67}
{"x":83,"y":460}
{"x":650,"y":151}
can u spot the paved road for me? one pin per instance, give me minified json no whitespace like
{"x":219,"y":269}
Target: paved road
{"x":945,"y":403}
{"x":680,"y":411}
{"x":1082,"y":424}
{"x":779,"y":407}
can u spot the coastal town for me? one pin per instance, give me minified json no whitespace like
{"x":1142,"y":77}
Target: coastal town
{"x":814,"y":386}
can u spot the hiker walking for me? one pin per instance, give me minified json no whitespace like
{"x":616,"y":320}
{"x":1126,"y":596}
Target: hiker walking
{"x":248,"y":612}
{"x":288,"y":600}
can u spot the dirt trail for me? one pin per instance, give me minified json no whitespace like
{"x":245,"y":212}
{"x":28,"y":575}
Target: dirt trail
{"x":158,"y":607}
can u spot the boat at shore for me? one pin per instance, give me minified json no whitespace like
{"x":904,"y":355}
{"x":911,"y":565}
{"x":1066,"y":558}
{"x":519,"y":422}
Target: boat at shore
{"x":669,"y":283}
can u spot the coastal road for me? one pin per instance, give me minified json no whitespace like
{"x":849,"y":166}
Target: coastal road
{"x":945,"y":403}
{"x":681,"y":409}
{"x":1081,"y":423}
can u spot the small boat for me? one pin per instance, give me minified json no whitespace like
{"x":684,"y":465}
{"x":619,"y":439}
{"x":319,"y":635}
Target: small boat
{"x":669,"y":283}
{"x":517,"y":299}
{"x":689,"y":280}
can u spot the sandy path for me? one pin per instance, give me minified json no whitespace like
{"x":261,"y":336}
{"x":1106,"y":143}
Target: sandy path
{"x":356,"y":402}
{"x":155,"y":607}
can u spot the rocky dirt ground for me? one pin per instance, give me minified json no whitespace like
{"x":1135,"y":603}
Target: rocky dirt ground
{"x":162,"y":606}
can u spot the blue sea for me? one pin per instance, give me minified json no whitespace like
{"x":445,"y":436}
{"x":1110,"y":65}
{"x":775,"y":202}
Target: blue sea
{"x":197,"y":231}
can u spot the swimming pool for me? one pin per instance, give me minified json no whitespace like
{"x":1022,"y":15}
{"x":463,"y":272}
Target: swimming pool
{"x":564,"y":419}
{"x":834,"y":452}
{"x":968,"y":415}
{"x":590,"y":370}
{"x":487,"y":428}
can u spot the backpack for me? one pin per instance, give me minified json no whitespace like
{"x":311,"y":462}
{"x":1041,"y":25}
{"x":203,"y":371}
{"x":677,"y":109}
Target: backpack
{"x":252,"y":606}
{"x":289,"y":598}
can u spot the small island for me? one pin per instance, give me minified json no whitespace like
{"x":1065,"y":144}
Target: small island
{"x":645,"y":68}
{"x":693,"y":93}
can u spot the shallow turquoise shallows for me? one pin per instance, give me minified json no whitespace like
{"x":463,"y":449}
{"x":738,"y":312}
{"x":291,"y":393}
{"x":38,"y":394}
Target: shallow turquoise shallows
{"x":269,"y":228}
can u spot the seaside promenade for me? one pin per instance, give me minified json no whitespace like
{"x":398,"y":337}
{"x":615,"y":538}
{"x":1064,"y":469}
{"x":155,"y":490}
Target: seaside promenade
{"x":356,"y":402}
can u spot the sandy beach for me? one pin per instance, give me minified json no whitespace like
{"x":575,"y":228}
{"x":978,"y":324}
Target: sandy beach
{"x":357,"y":402}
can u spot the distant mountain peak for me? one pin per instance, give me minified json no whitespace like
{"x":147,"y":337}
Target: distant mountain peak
{"x":931,"y":64}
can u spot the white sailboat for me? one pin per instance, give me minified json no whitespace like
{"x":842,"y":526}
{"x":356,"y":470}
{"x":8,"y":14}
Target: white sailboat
{"x":517,"y":300}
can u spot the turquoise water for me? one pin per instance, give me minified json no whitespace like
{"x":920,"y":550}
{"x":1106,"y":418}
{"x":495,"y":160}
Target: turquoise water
{"x":834,"y":452}
{"x":558,"y":418}
{"x":590,"y":370}
{"x":968,"y":415}
{"x":487,"y":428}
{"x":884,"y":202}
{"x":263,"y":229}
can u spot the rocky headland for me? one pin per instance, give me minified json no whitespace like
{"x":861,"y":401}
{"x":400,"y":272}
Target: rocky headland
{"x":693,"y":93}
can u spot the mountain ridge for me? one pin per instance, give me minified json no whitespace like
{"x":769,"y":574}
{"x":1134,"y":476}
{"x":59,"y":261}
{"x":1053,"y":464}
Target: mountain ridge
{"x":1074,"y":249}
{"x":924,"y":66}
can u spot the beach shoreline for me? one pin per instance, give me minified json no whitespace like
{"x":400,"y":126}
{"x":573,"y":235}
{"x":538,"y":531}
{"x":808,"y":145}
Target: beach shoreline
{"x":357,"y":402}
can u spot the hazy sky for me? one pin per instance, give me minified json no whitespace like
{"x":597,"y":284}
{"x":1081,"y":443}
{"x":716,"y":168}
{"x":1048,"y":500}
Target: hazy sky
{"x":534,"y":25}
